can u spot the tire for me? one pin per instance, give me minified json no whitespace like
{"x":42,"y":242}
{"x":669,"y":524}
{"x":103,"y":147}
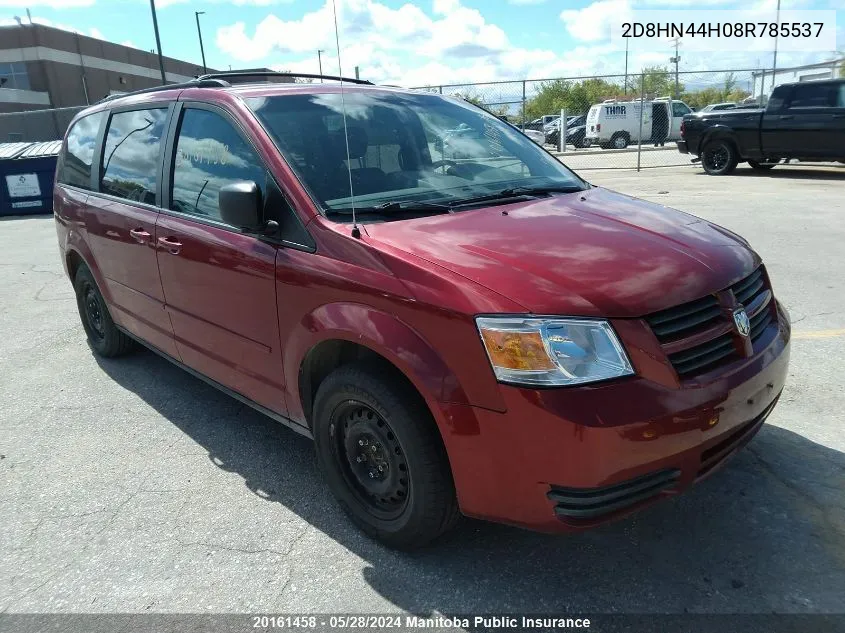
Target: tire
{"x":719,"y":157}
{"x":105,"y":339}
{"x":761,"y":166}
{"x":620,"y":140}
{"x":412,"y":500}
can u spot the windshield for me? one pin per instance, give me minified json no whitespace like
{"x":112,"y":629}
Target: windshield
{"x":404,"y":150}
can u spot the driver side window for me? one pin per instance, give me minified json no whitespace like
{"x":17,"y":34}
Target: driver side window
{"x":210,"y":154}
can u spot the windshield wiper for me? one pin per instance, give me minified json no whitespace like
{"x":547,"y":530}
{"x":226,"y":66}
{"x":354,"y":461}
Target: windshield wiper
{"x":517,"y":192}
{"x":393,"y":205}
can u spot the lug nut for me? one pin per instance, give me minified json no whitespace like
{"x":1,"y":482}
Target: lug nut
{"x":381,"y":469}
{"x":373,"y":448}
{"x":372,"y":475}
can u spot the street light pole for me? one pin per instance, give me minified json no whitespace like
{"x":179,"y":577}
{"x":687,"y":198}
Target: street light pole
{"x":197,"y":14}
{"x":158,"y":42}
{"x":775,"y":59}
{"x":625,"y":85}
{"x":320,"y":62}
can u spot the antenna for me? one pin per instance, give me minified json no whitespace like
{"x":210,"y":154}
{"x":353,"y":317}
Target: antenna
{"x":356,"y":232}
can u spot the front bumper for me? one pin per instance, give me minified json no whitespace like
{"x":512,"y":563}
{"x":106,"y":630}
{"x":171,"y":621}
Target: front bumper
{"x":682,"y":147}
{"x":570,"y":458}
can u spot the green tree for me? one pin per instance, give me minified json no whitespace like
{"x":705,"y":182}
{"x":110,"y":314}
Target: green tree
{"x":575,"y":97}
{"x":658,"y":82}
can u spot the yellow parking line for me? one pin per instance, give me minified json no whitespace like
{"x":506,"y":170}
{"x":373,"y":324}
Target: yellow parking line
{"x":819,"y":334}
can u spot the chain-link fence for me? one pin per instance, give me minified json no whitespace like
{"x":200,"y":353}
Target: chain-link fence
{"x":625,"y":121}
{"x":36,"y":125}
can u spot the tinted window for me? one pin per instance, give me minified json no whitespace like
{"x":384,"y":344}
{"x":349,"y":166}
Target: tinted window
{"x":814,"y":95}
{"x":209,"y":155}
{"x":841,"y":101}
{"x":75,"y":168}
{"x":131,"y":155}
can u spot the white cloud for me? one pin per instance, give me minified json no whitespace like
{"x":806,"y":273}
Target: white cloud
{"x":93,"y":32}
{"x":525,"y":2}
{"x":592,"y":23}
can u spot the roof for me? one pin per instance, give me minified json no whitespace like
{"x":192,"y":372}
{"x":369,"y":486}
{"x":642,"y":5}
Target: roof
{"x":18,"y":151}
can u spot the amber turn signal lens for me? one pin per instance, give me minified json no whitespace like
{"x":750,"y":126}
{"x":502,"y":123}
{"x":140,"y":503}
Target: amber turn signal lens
{"x":517,"y":350}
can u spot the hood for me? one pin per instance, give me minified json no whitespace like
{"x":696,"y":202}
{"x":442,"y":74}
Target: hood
{"x":593,"y":253}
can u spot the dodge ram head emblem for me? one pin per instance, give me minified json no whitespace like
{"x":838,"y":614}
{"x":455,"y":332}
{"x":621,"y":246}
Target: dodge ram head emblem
{"x":743,"y":325}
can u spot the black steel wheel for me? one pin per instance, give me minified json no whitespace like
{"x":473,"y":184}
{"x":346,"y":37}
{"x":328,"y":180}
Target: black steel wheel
{"x":719,"y":157}
{"x":104,"y":337}
{"x":371,"y":459}
{"x":382,"y":455}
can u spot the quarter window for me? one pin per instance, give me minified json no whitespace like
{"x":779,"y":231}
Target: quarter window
{"x":75,"y":167}
{"x":210,"y":154}
{"x":131,"y":155}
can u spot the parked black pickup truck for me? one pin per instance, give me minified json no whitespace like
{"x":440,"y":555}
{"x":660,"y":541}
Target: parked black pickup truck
{"x":804,"y":121}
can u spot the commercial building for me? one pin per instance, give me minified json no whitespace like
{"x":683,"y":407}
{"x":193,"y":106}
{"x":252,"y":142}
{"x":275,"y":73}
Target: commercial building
{"x":44,"y":67}
{"x":763,"y":81}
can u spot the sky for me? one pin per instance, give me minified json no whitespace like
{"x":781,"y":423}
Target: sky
{"x":407,"y":42}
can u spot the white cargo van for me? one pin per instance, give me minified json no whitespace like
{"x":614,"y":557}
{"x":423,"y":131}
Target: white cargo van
{"x":616,"y":124}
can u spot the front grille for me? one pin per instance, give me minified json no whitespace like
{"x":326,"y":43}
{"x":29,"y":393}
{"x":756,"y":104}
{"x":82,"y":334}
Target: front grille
{"x":591,"y":503}
{"x":709,"y":319}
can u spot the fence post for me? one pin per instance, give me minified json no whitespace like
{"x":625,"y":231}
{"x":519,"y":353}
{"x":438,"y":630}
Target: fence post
{"x":441,"y":89}
{"x":642,"y":113}
{"x":523,"y":104}
{"x":561,"y":141}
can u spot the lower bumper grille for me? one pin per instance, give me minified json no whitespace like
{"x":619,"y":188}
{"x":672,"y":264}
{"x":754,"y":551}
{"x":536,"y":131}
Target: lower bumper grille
{"x":716,"y":454}
{"x":590,"y":503}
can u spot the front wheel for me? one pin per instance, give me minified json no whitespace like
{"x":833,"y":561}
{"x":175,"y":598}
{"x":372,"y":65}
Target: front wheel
{"x":763,"y":166}
{"x":382,"y":456}
{"x":719,"y":158}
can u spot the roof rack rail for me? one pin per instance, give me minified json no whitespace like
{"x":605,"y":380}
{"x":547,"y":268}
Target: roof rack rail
{"x":199,"y":82}
{"x":232,"y":74}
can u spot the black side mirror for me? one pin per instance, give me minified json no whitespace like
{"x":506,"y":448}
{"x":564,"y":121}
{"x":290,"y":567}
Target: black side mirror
{"x":240,"y":205}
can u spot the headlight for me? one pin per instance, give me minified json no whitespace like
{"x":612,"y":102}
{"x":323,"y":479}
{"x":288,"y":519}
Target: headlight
{"x":552,"y":352}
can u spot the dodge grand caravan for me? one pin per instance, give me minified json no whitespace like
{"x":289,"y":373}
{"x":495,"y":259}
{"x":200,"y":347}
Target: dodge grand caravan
{"x":464,"y":327}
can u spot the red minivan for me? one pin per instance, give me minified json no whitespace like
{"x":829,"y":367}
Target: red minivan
{"x":461,"y":323}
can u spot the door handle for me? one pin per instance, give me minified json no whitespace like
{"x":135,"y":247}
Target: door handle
{"x":784,"y":117}
{"x":140,"y":235}
{"x":172,"y":245}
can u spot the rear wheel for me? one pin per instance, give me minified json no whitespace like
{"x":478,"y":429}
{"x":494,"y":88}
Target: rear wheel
{"x":620,"y":140}
{"x":770,"y":162}
{"x":719,"y":157}
{"x":382,"y":456}
{"x":103,"y":335}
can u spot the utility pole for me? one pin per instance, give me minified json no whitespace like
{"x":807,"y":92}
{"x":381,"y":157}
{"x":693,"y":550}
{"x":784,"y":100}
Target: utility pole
{"x":625,"y":85}
{"x":158,"y":42}
{"x":775,"y":58}
{"x":676,"y":60}
{"x":197,"y":14}
{"x":320,"y":52}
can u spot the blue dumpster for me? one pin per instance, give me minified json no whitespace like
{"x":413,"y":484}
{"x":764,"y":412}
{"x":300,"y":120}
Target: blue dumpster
{"x":26,"y":177}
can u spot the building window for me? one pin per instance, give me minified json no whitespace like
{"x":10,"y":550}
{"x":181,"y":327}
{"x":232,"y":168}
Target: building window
{"x":13,"y":75}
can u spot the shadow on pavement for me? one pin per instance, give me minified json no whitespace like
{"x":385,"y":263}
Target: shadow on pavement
{"x":765,"y":534}
{"x":826,"y":172}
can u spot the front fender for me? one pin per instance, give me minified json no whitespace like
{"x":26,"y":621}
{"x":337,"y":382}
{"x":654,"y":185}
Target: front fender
{"x":384,"y":334}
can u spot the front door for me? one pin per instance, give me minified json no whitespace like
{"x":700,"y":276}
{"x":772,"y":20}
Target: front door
{"x":219,"y":283}
{"x":121,"y":223}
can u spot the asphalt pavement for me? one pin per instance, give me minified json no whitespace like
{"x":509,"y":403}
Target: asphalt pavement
{"x":129,"y":486}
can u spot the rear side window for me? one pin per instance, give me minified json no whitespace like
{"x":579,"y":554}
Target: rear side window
{"x":131,"y":154}
{"x":814,"y":95}
{"x":75,"y":165}
{"x":210,"y":154}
